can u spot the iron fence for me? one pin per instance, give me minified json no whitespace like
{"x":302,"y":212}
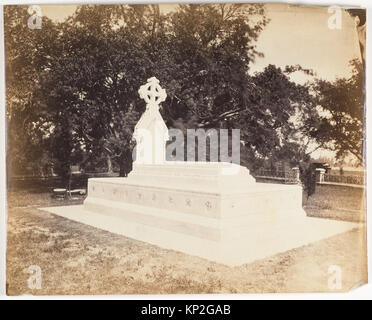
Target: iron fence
{"x":358,"y":180}
{"x":284,"y":176}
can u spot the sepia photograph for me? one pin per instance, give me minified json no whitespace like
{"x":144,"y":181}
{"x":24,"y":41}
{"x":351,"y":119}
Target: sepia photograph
{"x":215,"y":148}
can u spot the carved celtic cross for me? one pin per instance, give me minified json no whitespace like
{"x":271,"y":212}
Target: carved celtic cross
{"x":152,"y":93}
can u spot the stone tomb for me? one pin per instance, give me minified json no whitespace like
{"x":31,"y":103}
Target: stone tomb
{"x":213,"y":210}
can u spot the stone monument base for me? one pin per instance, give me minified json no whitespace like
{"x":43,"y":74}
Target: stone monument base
{"x":199,"y":209}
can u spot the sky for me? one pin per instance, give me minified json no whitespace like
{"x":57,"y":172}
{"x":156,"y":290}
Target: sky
{"x":300,"y":35}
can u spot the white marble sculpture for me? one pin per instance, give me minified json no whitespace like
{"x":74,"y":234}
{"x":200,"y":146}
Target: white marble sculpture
{"x":195,"y":208}
{"x":151,"y":132}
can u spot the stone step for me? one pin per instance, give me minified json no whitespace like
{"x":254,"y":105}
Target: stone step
{"x":215,"y":229}
{"x":256,"y":243}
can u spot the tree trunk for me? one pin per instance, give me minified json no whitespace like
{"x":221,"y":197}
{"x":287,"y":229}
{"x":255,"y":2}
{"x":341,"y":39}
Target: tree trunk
{"x":109,"y":165}
{"x":126,"y":163}
{"x":122,"y":172}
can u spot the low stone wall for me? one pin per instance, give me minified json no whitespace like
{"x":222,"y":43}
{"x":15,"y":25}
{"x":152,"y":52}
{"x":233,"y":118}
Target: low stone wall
{"x":49,"y":182}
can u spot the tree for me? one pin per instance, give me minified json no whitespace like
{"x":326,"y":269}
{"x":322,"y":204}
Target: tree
{"x":211,"y":48}
{"x":93,"y":105}
{"x":28,"y":53}
{"x":273,"y":120}
{"x":200,"y":53}
{"x":107,"y":52}
{"x":341,"y":104}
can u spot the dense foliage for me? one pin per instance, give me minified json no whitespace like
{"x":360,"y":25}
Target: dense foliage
{"x":342,"y":122}
{"x":72,"y":86}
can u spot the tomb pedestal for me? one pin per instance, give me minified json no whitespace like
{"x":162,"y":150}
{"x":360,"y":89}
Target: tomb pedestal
{"x":212,"y":210}
{"x":195,"y":208}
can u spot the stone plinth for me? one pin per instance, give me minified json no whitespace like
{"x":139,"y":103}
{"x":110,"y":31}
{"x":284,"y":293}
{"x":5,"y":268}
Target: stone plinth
{"x":196,"y":190}
{"x":195,"y":209}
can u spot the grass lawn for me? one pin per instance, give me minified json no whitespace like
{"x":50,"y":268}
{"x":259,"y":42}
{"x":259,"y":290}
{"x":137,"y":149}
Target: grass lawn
{"x":79,"y":259}
{"x":337,"y":202}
